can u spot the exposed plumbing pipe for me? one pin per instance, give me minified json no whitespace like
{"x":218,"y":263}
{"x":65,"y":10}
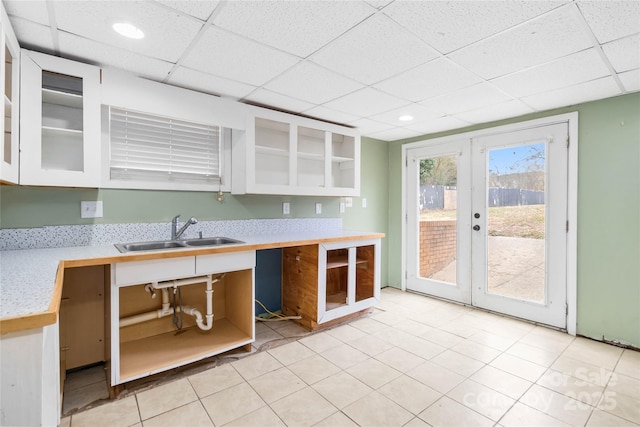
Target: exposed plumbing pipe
{"x":205,"y":323}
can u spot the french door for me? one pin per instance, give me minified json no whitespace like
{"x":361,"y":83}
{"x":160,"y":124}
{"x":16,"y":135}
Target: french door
{"x":486,"y":222}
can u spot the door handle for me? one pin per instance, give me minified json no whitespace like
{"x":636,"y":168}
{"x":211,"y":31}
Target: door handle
{"x":476,"y":227}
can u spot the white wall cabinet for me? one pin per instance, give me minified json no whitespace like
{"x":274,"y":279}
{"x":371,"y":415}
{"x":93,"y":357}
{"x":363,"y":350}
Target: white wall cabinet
{"x":10,"y":77}
{"x":59,"y":122}
{"x":289,"y":155}
{"x":152,"y":346}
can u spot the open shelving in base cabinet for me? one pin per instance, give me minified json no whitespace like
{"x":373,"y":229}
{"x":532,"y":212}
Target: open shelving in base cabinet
{"x":156,"y":345}
{"x":329,"y":283}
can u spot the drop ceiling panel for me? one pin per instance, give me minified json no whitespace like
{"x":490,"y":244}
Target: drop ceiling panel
{"x":297,"y":27}
{"x":450,"y":25}
{"x":439,"y":124}
{"x":567,"y":71}
{"x":374,"y":50}
{"x":368,"y":126}
{"x":72,"y":46}
{"x":624,"y":54}
{"x":610,"y":20}
{"x":630,"y":80}
{"x":428,"y":80}
{"x":395,"y":134}
{"x":32,"y":35}
{"x":312,"y":83}
{"x":469,"y":98}
{"x":589,"y":91}
{"x":266,"y":97}
{"x":328,"y":114}
{"x":552,"y":36}
{"x":35,"y":10}
{"x":227,"y":55}
{"x":418,"y":112}
{"x":503,"y":110}
{"x":203,"y":82}
{"x":366,"y":102}
{"x":167,"y":33}
{"x":198,"y":9}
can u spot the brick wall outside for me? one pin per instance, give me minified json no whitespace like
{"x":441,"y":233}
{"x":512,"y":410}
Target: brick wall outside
{"x":437,"y":245}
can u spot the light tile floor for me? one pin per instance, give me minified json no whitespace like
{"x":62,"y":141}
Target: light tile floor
{"x":415,"y":361}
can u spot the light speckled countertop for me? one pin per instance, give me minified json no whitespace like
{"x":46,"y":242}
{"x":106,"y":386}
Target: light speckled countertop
{"x":27,"y":276}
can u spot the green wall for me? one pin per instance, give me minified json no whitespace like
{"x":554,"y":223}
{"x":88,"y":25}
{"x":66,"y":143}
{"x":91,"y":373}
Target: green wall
{"x":608,"y":215}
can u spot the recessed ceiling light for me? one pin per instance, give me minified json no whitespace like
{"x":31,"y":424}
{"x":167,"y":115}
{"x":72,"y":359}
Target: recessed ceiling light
{"x":405,"y":118}
{"x":128,"y":30}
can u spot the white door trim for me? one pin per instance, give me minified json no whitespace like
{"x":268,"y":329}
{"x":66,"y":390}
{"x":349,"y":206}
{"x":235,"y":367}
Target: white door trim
{"x":572,"y":202}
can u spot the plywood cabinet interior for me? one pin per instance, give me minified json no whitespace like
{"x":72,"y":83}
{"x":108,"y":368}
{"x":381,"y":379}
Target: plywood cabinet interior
{"x":159,"y":344}
{"x":330,"y":282}
{"x":82,"y":320}
{"x":285,"y":154}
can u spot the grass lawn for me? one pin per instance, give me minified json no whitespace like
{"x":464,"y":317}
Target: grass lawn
{"x":509,"y":221}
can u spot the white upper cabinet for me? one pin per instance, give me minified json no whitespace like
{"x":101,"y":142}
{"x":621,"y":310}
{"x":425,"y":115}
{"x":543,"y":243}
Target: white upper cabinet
{"x":59,"y":122}
{"x":284,"y":154}
{"x":10,"y":76}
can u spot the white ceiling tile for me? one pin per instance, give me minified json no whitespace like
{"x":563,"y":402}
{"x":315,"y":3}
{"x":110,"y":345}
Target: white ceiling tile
{"x":428,"y":80}
{"x":228,"y":55}
{"x":267,"y":98}
{"x":312,"y":83}
{"x":450,"y":25}
{"x":418,"y":112}
{"x":72,"y":46}
{"x":297,"y":27}
{"x":197,"y":8}
{"x":573,"y":69}
{"x":378,"y":4}
{"x":610,"y":20}
{"x":468,"y":98}
{"x":624,"y":54}
{"x":167,"y":33}
{"x":552,"y":36}
{"x":366,"y":102}
{"x":203,"y":82}
{"x":394,"y":134}
{"x":503,"y":110}
{"x":438,"y":125}
{"x":31,"y":35}
{"x":631,"y":80}
{"x":602,"y":88}
{"x":324,"y":113}
{"x":368,"y":126}
{"x":35,"y":10}
{"x":374,"y":50}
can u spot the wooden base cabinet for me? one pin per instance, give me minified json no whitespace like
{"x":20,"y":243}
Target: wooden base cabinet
{"x":330,"y":282}
{"x":155,"y":345}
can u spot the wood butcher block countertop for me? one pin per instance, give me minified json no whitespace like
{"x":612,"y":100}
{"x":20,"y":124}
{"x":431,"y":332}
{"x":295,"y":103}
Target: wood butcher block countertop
{"x":31,"y":279}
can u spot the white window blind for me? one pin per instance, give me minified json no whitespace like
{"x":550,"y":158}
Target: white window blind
{"x":149,"y":147}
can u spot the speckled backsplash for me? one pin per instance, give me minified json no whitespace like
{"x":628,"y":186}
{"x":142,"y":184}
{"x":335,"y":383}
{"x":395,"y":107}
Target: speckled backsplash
{"x":60,"y":236}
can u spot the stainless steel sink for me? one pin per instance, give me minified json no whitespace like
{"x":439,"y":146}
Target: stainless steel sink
{"x":174,"y":244}
{"x":211,"y":241}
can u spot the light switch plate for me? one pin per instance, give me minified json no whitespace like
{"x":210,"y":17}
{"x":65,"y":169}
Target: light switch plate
{"x":286,"y":208}
{"x":91,"y":209}
{"x":364,"y":202}
{"x":341,"y":207}
{"x":318,"y":208}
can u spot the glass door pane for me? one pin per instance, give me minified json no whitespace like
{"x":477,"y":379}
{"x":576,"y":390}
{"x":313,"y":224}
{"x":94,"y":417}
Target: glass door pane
{"x":516,"y":221}
{"x":438,"y":218}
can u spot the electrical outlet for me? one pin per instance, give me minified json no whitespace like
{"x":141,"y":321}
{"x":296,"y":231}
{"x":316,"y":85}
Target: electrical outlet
{"x":364,"y":202}
{"x":91,"y":209}
{"x":318,"y":208}
{"x":348,"y":202}
{"x":286,"y":208}
{"x":341,"y":207}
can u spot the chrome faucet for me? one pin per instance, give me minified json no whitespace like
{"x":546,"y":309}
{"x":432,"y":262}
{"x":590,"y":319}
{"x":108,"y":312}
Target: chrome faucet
{"x":175,"y":233}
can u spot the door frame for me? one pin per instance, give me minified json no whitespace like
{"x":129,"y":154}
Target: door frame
{"x":572,"y":194}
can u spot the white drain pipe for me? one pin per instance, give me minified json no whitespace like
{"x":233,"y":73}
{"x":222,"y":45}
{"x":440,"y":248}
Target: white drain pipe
{"x":167,"y":310}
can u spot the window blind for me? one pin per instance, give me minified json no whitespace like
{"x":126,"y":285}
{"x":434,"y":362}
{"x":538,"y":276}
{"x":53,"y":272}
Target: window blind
{"x":149,"y":147}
